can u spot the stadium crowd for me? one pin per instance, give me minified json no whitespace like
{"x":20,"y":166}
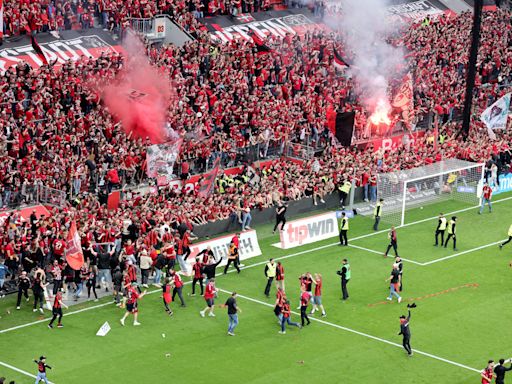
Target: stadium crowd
{"x":56,"y":132}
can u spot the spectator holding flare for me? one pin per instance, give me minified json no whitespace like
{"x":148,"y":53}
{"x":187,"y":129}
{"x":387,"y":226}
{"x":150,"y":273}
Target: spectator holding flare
{"x":270,"y":273}
{"x":451,"y":233}
{"x":209,"y":296}
{"x":57,"y":309}
{"x":486,"y":198}
{"x":509,"y":237}
{"x":131,"y":305}
{"x":440,"y":230}
{"x":393,"y":242}
{"x":233,"y":310}
{"x":394,"y":284}
{"x":41,"y":369}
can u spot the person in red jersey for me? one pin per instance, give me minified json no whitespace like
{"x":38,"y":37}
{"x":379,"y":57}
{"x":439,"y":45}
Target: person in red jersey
{"x":236,"y":240}
{"x":285,"y":319}
{"x":280,"y":300}
{"x":304,"y":302}
{"x":57,"y":309}
{"x":486,"y":198}
{"x":178,"y":286}
{"x":197,"y":270}
{"x":280,"y":276}
{"x":131,"y":304}
{"x":166,"y":294}
{"x":58,"y":246}
{"x":209,"y":296}
{"x":487,"y":373}
{"x":317,"y":296}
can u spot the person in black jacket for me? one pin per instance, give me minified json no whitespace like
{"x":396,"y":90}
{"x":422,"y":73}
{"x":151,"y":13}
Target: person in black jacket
{"x":209,"y":270}
{"x":280,"y":212}
{"x":23,"y":286}
{"x":117,"y":280}
{"x":406,"y":332}
{"x":500,"y":371}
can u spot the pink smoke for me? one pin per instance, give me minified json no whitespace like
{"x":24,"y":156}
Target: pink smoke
{"x":140,"y":94}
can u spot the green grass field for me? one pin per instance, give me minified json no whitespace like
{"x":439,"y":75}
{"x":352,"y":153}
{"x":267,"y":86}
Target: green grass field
{"x":461,"y":321}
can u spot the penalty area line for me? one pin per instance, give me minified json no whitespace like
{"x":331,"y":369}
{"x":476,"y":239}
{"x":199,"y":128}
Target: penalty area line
{"x":368,"y":336}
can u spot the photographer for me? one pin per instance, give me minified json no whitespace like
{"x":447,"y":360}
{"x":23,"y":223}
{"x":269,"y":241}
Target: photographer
{"x":405,"y":331}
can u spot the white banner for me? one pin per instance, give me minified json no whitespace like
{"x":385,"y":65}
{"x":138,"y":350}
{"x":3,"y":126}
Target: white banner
{"x":309,"y":230}
{"x":105,"y":328}
{"x":495,"y":116}
{"x":249,"y":247}
{"x":160,"y":28}
{"x":161,"y":159}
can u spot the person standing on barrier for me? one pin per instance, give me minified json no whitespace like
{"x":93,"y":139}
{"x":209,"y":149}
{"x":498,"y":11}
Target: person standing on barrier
{"x":344,"y":229}
{"x":280,"y":216}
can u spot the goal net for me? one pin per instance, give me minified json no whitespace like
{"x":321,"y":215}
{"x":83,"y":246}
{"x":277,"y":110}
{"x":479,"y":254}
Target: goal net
{"x":405,"y":193}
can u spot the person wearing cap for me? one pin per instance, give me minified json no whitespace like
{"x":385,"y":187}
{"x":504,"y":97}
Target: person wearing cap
{"x":41,"y":369}
{"x":406,"y":332}
{"x":486,"y":198}
{"x":57,"y":309}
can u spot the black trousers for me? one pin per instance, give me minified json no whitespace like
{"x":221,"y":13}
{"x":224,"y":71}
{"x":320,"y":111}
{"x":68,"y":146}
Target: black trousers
{"x":180,"y":294}
{"x":376,"y":224}
{"x":440,"y":232}
{"x":395,"y":247}
{"x":57,"y":284}
{"x":304,"y":314}
{"x":57,"y":312}
{"x":197,"y":280}
{"x":342,"y":196}
{"x":406,"y":342}
{"x":344,"y":289}
{"x":144,"y":275}
{"x":343,"y":237}
{"x":280,"y":220}
{"x":21,"y":291}
{"x":235,"y":263}
{"x":167,"y":309}
{"x":93,"y":286}
{"x":269,"y":285}
{"x":38,"y":299}
{"x":506,"y":242}
{"x":450,"y":236}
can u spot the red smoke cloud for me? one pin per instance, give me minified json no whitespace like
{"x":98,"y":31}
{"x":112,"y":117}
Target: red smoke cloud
{"x":140,"y":95}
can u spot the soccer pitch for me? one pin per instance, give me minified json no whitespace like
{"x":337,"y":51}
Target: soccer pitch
{"x":461,"y":320}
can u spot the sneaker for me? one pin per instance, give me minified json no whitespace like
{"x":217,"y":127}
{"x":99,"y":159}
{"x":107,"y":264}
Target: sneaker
{"x":389,"y":298}
{"x":50,"y":326}
{"x":60,"y":326}
{"x":171,"y":313}
{"x":298,"y":307}
{"x":231,"y":334}
{"x":501,"y":246}
{"x":322,"y":201}
{"x":34,"y":310}
{"x":211,"y":314}
{"x":282,"y":332}
{"x":455,"y":249}
{"x":201,"y":313}
{"x":136,"y":323}
{"x":96,"y":300}
{"x":122,"y":322}
{"x":27,"y":299}
{"x":399,"y":299}
{"x":324,"y":314}
{"x":192,"y":294}
{"x":18,"y":308}
{"x":118,"y":304}
{"x":41,"y":310}
{"x":300,"y":326}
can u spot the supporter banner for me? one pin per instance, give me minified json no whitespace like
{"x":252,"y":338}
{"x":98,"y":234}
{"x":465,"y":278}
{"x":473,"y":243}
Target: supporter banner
{"x":161,"y":159}
{"x":416,"y":10}
{"x":25,"y":213}
{"x":495,"y":116}
{"x":249,"y":247}
{"x":275,"y":23}
{"x":61,"y":50}
{"x":388,"y":143}
{"x":309,"y":230}
{"x":74,"y":254}
{"x":403,"y":100}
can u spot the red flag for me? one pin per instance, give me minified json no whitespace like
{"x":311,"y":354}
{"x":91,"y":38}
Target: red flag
{"x":207,"y":182}
{"x":1,"y":19}
{"x":36,"y":47}
{"x":74,"y":254}
{"x":261,"y":47}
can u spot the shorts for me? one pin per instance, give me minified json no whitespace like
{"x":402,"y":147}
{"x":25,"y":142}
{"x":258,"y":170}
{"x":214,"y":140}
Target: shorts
{"x":132,"y":308}
{"x":167,"y":299}
{"x":209,"y":302}
{"x":317,"y":300}
{"x":57,"y":311}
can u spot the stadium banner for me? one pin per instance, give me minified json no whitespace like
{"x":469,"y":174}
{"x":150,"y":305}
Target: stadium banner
{"x":275,"y":23}
{"x":161,"y":159}
{"x":25,"y":213}
{"x":69,"y":46}
{"x":389,"y":143}
{"x":403,"y":100}
{"x":249,"y":247}
{"x":496,"y":115}
{"x":417,"y":10}
{"x":309,"y":230}
{"x":505,"y":182}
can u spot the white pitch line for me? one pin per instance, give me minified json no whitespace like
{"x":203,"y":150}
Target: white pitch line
{"x":463,"y":253}
{"x":382,"y":254}
{"x":20,"y":371}
{"x":360,"y":333}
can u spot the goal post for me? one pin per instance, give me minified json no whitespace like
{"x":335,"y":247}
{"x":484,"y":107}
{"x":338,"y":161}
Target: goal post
{"x":406,"y":192}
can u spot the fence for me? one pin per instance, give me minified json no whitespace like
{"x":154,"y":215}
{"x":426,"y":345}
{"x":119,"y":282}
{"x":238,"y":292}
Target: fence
{"x":30,"y":194}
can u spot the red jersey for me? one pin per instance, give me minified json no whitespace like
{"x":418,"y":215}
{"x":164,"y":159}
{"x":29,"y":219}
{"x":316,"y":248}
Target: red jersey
{"x":487,"y":192}
{"x":198,"y":270}
{"x":209,"y":292}
{"x":318,"y":287}
{"x":487,"y":372}
{"x":58,"y":247}
{"x":286,"y":310}
{"x":304,"y":299}
{"x":279,"y":272}
{"x":178,"y":283}
{"x":58,"y":298}
{"x":167,"y":293}
{"x":132,"y":273}
{"x":132,"y":295}
{"x":280,"y":297}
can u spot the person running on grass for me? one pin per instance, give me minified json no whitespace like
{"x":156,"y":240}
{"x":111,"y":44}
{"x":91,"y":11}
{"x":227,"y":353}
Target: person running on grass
{"x":232,"y":258}
{"x":393,"y":242}
{"x":394,"y":285}
{"x":209,"y":296}
{"x":57,"y":309}
{"x":285,"y":319}
{"x":509,"y":237}
{"x":317,"y":298}
{"x":178,"y":286}
{"x":233,"y":311}
{"x":41,"y":369}
{"x":132,"y":295}
{"x":166,"y":295}
{"x":197,"y":273}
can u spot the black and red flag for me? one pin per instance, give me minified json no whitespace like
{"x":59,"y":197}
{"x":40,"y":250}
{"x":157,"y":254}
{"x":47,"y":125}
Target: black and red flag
{"x":208,"y":181}
{"x":260,"y":44}
{"x":35,"y":46}
{"x":338,"y":61}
